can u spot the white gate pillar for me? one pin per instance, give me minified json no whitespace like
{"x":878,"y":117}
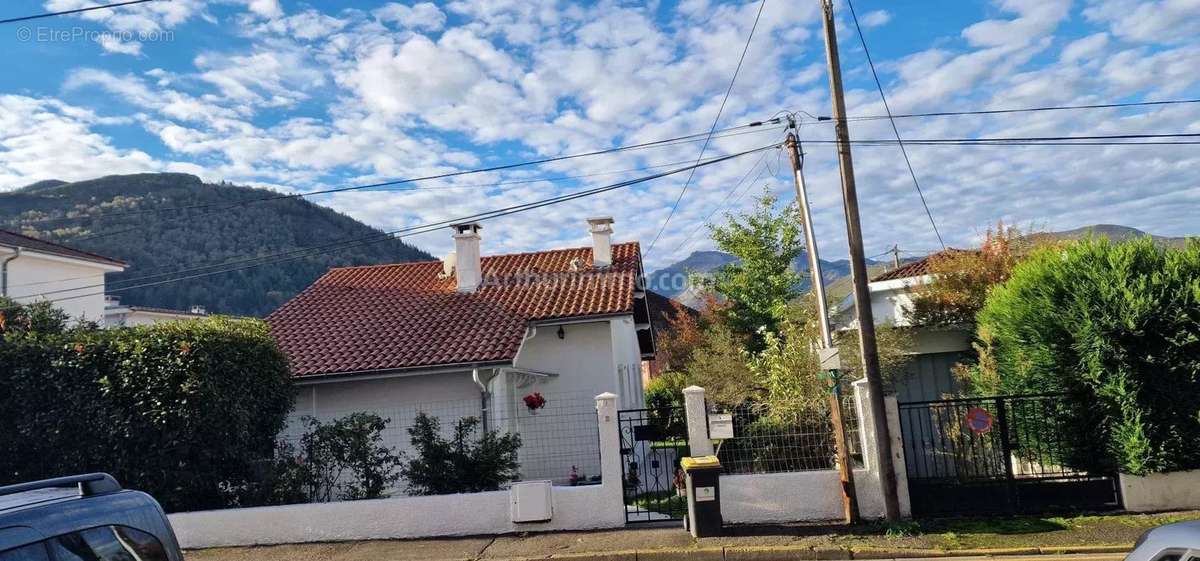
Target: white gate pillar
{"x":697,"y":421}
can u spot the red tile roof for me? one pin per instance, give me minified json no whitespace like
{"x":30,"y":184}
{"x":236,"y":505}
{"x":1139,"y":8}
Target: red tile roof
{"x":33,"y":244}
{"x":918,"y":268}
{"x":385,"y":317}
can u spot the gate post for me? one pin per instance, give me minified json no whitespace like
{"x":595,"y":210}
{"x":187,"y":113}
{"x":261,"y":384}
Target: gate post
{"x":1010,"y":482}
{"x":697,"y":421}
{"x":610,"y":456}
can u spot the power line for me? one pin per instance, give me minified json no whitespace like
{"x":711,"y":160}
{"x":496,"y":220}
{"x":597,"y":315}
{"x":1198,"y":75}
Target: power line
{"x":75,"y":11}
{"x":736,"y":187}
{"x":227,"y":205}
{"x":863,"y":39}
{"x":401,"y":189}
{"x":720,"y":110}
{"x":825,"y":118}
{"x":300,"y":253}
{"x":1101,"y":140}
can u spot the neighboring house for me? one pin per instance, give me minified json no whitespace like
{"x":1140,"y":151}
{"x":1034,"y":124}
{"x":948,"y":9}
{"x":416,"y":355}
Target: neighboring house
{"x":663,"y":311}
{"x":472,"y":336}
{"x":936,"y":349}
{"x":117,"y":314}
{"x":33,"y":270}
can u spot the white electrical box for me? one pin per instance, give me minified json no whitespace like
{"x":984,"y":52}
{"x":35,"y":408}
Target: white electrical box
{"x":531,"y":501}
{"x":720,"y":426}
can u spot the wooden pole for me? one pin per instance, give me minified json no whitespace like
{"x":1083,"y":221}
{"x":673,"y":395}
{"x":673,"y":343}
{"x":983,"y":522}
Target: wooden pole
{"x":845,"y":470}
{"x":858,"y":270}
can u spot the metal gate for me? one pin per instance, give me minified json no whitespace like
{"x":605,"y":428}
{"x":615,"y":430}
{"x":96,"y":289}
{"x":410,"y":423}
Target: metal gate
{"x":1003,"y":454}
{"x":652,"y":443}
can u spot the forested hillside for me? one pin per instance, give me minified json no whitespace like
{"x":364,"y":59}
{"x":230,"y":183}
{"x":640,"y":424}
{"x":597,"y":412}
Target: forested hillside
{"x":110,"y":216}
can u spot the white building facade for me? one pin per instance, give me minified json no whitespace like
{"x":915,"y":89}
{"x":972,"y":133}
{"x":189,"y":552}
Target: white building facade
{"x":33,"y":270}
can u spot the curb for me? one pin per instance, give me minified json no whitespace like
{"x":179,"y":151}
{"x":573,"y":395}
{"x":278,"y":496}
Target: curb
{"x":805,"y":553}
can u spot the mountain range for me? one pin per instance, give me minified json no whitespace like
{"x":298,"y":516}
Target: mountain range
{"x":207,"y":225}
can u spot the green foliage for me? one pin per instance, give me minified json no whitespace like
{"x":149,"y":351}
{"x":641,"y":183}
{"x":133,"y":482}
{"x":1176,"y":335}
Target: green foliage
{"x":720,"y":366}
{"x":666,"y":390}
{"x":217,"y":232}
{"x":462,"y":464}
{"x":1118,"y":325}
{"x":182,"y":410}
{"x":342,"y":459}
{"x":759,"y":286}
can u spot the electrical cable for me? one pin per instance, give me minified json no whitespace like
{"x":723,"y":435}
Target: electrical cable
{"x":651,"y":144}
{"x":879,"y":84}
{"x":736,"y":187}
{"x":75,"y":11}
{"x":762,"y":4}
{"x":828,"y":119}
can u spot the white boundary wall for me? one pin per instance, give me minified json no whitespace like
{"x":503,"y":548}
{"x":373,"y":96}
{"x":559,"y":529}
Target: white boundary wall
{"x":574,"y":508}
{"x":1176,"y":490}
{"x":813,"y":495}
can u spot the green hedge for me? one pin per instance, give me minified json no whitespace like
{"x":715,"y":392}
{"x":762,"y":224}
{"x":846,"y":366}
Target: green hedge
{"x":183,"y":410}
{"x":1119,"y":326}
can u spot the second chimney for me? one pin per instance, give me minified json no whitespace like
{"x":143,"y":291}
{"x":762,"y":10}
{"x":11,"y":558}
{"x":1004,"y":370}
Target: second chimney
{"x":601,"y":229}
{"x":466,"y":248}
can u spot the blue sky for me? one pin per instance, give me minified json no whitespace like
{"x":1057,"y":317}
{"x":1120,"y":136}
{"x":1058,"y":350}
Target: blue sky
{"x":298,"y":96}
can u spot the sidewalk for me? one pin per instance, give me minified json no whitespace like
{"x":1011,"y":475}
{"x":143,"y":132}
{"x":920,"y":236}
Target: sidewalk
{"x":1084,"y":538}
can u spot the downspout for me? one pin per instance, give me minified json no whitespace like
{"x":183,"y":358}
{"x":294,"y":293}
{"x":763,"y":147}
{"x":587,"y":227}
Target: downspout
{"x":483,"y":397}
{"x":4,"y":270}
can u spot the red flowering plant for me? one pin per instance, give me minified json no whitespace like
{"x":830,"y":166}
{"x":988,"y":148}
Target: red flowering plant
{"x":535,"y":401}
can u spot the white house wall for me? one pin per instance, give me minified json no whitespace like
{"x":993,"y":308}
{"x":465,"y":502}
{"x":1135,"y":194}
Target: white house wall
{"x":446,"y":395}
{"x":563,"y":434}
{"x":32,"y":277}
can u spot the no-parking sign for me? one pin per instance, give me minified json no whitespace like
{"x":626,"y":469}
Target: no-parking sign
{"x":979,"y":420}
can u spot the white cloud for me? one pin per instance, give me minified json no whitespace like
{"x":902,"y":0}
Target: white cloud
{"x":1163,"y":21}
{"x":1036,"y":19}
{"x":46,"y":139}
{"x":876,"y":18}
{"x":1085,"y":48}
{"x":423,"y":16}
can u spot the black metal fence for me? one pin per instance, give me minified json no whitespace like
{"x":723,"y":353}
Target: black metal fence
{"x":1001,"y":454}
{"x":652,"y":443}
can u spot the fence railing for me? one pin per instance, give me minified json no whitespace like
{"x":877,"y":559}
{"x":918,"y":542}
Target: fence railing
{"x":554,"y":439}
{"x":772,"y":442}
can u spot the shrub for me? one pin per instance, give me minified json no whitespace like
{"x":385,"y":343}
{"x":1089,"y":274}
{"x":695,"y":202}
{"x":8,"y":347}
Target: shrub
{"x":666,"y":390}
{"x":1117,"y":325}
{"x":342,"y":459}
{"x":461,"y":464}
{"x":181,"y":410}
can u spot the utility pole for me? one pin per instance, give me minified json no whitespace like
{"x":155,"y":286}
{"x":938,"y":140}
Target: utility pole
{"x":858,"y":270}
{"x":845,"y":471}
{"x":895,"y":256}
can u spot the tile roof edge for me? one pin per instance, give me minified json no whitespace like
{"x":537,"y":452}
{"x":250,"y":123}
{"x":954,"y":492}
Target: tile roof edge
{"x":82,"y":255}
{"x":498,"y":255}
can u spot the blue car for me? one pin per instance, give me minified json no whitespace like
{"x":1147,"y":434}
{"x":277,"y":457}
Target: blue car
{"x":83,"y":518}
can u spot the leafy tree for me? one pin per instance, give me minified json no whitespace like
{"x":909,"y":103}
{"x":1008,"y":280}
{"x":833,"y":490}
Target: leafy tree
{"x":964,"y":279}
{"x":720,"y":366}
{"x":462,"y":464}
{"x":1117,"y":325}
{"x":759,"y":286}
{"x":666,"y":390}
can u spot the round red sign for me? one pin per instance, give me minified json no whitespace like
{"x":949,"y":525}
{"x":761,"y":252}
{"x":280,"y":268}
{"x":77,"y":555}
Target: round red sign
{"x":979,"y":420}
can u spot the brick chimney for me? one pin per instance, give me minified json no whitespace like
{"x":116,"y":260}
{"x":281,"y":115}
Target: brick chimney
{"x":601,"y":230}
{"x":467,"y":269}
